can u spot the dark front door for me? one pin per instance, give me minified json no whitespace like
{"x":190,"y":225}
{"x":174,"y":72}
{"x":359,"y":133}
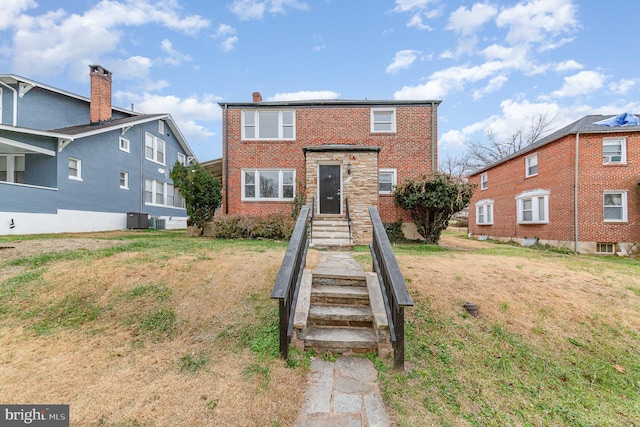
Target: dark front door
{"x":329,"y":189}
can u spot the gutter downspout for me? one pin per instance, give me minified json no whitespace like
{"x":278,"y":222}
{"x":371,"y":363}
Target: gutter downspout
{"x":433,"y":154}
{"x":225,"y":159}
{"x":15,"y":103}
{"x":575,"y":195}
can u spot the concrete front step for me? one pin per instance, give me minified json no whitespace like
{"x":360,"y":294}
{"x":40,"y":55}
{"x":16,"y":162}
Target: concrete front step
{"x":339,"y":315}
{"x":344,"y":295}
{"x":340,"y":340}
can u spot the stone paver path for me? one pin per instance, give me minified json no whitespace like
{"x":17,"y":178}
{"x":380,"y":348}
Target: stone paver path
{"x":343,"y":394}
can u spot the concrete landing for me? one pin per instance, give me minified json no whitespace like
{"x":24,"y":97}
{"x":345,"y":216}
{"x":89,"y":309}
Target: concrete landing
{"x":343,"y":393}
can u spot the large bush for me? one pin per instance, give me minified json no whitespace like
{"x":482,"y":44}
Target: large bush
{"x":275,"y":227}
{"x":201,"y":192}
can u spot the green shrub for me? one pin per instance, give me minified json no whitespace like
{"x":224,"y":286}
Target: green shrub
{"x":276,"y":227}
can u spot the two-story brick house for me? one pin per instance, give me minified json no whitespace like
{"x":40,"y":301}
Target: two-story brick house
{"x":333,"y":150}
{"x":576,"y":188}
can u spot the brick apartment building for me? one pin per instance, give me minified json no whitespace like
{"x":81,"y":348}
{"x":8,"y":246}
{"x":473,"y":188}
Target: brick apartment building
{"x":333,"y":150}
{"x":578,"y":188}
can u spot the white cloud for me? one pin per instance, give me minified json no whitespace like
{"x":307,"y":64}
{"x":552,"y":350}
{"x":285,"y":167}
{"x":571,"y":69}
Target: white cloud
{"x":569,"y":65}
{"x":581,"y":83}
{"x":304,"y":95}
{"x":409,"y":5}
{"x":416,"y":22}
{"x":535,"y":20}
{"x":278,"y":6}
{"x":466,"y":21}
{"x":623,"y":86}
{"x":228,"y":35}
{"x":11,"y":11}
{"x":255,"y":9}
{"x":402,"y":60}
{"x":175,"y":57}
{"x":495,"y":84}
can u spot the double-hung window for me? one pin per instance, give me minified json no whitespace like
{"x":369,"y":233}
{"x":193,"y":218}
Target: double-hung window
{"x":182,"y":159}
{"x":615,"y":206}
{"x":387,"y":181}
{"x":268,"y":184}
{"x":383,"y":120}
{"x":484,"y":181}
{"x":124,"y":144}
{"x":75,"y":169}
{"x":614,"y":151}
{"x":12,"y":168}
{"x":154,"y":148}
{"x":531,"y":165}
{"x":268,"y":124}
{"x":124,"y":180}
{"x":484,"y":212}
{"x":154,"y":192}
{"x":533,"y":207}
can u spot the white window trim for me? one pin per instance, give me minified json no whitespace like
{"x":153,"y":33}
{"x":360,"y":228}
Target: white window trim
{"x":393,"y":120}
{"x":394,"y":179}
{"x":484,"y":181}
{"x":281,"y":126}
{"x":625,"y":208}
{"x":160,"y":127}
{"x":599,"y":247}
{"x":11,"y":166}
{"x":534,"y":195}
{"x":527,"y":165}
{"x":127,"y":145}
{"x":126,"y":180}
{"x":623,"y":150}
{"x":485,"y":206}
{"x":280,"y":182}
{"x":182,"y":159}
{"x":155,"y":142}
{"x":79,"y":169}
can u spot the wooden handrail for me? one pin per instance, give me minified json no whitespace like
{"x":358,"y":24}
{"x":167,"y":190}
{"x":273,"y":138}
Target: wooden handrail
{"x":394,"y":289}
{"x":287,"y":282}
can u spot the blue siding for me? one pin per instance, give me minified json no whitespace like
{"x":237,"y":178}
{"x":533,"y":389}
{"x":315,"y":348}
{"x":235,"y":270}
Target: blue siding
{"x":40,"y":169}
{"x":22,"y":198}
{"x":45,"y":110}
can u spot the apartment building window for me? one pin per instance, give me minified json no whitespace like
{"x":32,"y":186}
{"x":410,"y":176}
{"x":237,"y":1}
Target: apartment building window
{"x":387,"y":180}
{"x":124,"y":180}
{"x":154,"y":148}
{"x":268,"y":124}
{"x":75,"y":169}
{"x":531,"y":165}
{"x":484,"y":181}
{"x":383,"y":120}
{"x":533,"y":207}
{"x":268,"y":184}
{"x":615,"y":206}
{"x":124,"y":144}
{"x":614,"y":151}
{"x":12,"y":168}
{"x":484,"y":212}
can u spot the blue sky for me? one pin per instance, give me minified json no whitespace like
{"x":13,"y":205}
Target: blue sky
{"x":494,"y":64}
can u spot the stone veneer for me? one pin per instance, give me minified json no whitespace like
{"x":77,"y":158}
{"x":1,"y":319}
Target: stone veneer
{"x":360,"y":187}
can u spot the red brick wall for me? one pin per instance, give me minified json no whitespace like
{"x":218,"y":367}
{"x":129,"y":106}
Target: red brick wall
{"x":556,"y":173}
{"x":408,"y":150}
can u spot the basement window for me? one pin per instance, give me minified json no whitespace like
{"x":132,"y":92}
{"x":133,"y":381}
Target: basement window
{"x":606,"y":248}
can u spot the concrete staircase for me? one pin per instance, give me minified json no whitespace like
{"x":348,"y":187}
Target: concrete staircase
{"x":330,"y":232}
{"x":340,"y":309}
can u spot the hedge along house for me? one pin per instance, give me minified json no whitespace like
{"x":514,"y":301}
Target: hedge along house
{"x":337,"y":152}
{"x":578,"y":188}
{"x":72,"y":164}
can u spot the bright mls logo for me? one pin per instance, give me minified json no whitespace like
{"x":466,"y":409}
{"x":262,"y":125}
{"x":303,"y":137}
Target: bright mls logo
{"x":34,"y":415}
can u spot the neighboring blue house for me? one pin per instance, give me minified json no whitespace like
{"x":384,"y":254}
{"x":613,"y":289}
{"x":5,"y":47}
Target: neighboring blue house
{"x":72,"y":164}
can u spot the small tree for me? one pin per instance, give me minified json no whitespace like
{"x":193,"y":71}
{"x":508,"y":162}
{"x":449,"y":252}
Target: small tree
{"x":201,"y":192}
{"x":432,"y":201}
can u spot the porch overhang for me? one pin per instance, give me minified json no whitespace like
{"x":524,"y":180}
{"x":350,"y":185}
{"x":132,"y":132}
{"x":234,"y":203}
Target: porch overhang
{"x":9,"y":146}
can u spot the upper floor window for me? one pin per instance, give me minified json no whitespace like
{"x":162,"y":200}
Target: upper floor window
{"x":484,"y":212}
{"x":533,"y":207}
{"x":12,"y":168}
{"x":268,"y":124}
{"x":615,"y":206}
{"x":75,"y":169}
{"x":268,"y":184}
{"x":531,"y":165}
{"x":124,"y":180}
{"x":124,"y":144}
{"x":484,"y":181}
{"x":154,"y":148}
{"x":387,"y":181}
{"x":182,"y":159}
{"x":614,"y":150}
{"x":383,"y":120}
{"x":160,"y":127}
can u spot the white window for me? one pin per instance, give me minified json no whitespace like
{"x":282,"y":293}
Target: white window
{"x":615,"y":206}
{"x":75,"y":169}
{"x":387,"y":181}
{"x":533,"y":207}
{"x":614,"y":150}
{"x":606,"y":248}
{"x":173,"y":197}
{"x":154,"y":192}
{"x":268,"y":124}
{"x":484,"y":212}
{"x":531,"y":165}
{"x":12,"y":168}
{"x":182,"y":159}
{"x":484,"y":181}
{"x":124,"y":144}
{"x":268,"y":184}
{"x":160,"y":127}
{"x":124,"y":180}
{"x":383,"y":120}
{"x":154,"y":148}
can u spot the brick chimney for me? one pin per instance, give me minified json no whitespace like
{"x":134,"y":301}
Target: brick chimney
{"x":257,"y":97}
{"x":100,"y":106}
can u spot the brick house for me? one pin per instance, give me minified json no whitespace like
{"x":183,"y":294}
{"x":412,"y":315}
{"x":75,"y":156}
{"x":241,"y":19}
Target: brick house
{"x":333,"y":150}
{"x":578,"y":188}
